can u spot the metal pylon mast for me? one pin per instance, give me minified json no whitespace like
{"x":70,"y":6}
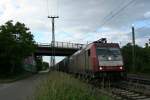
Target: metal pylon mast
{"x":53,"y":40}
{"x":133,"y":49}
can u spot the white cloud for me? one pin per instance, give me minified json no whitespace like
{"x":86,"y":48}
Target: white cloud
{"x":147,"y":14}
{"x":78,"y":18}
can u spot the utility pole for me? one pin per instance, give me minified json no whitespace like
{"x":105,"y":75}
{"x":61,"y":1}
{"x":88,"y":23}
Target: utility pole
{"x":133,"y":48}
{"x":149,"y":42}
{"x":53,"y":40}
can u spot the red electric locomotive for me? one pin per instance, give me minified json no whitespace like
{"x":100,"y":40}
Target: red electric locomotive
{"x":98,"y":59}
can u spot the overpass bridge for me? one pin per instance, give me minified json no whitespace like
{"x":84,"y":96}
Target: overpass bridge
{"x":61,"y":49}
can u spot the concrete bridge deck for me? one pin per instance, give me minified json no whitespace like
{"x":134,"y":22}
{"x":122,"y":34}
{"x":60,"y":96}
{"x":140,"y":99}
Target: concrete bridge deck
{"x":61,"y":49}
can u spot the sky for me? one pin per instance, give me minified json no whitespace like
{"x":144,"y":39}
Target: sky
{"x":81,"y":20}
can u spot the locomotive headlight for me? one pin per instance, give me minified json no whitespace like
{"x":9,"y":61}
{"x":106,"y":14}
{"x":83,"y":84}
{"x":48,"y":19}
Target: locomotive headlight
{"x":121,"y":67}
{"x":109,"y":58}
{"x":100,"y":68}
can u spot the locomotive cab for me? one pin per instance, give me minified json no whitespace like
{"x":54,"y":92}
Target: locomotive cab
{"x":109,"y":61}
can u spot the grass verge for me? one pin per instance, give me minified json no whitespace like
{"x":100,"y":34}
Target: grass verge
{"x":61,"y":86}
{"x":16,"y":77}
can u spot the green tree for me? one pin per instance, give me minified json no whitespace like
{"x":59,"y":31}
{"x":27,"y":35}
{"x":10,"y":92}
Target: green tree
{"x":39,"y":63}
{"x":142,"y":58}
{"x":45,"y":65}
{"x":146,"y":59}
{"x":16,"y":43}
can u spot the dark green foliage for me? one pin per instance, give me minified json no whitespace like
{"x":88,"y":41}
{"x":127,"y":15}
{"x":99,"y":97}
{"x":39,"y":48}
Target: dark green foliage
{"x":16,"y":43}
{"x":142,"y":58}
{"x":127,"y":56}
{"x":45,"y":65}
{"x":39,"y":63}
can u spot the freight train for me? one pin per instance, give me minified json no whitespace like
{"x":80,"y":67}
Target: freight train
{"x":98,"y":59}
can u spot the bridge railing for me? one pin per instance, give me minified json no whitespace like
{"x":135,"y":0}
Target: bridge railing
{"x":62,"y":45}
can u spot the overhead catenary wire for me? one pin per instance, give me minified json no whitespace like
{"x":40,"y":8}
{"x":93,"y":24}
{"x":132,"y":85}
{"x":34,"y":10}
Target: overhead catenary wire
{"x":137,"y":31}
{"x":103,"y":18}
{"x":118,"y":12}
{"x":112,"y":16}
{"x":58,"y":7}
{"x":112,"y":12}
{"x":52,"y":17}
{"x":52,"y":7}
{"x":57,"y":12}
{"x":47,"y":6}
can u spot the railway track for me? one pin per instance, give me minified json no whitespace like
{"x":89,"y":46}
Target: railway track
{"x":138,"y":79}
{"x":125,"y":90}
{"x":134,"y":88}
{"x":121,"y":92}
{"x":138,"y":83}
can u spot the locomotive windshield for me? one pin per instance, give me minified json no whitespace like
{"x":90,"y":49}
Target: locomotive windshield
{"x":106,"y":54}
{"x":108,"y":51}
